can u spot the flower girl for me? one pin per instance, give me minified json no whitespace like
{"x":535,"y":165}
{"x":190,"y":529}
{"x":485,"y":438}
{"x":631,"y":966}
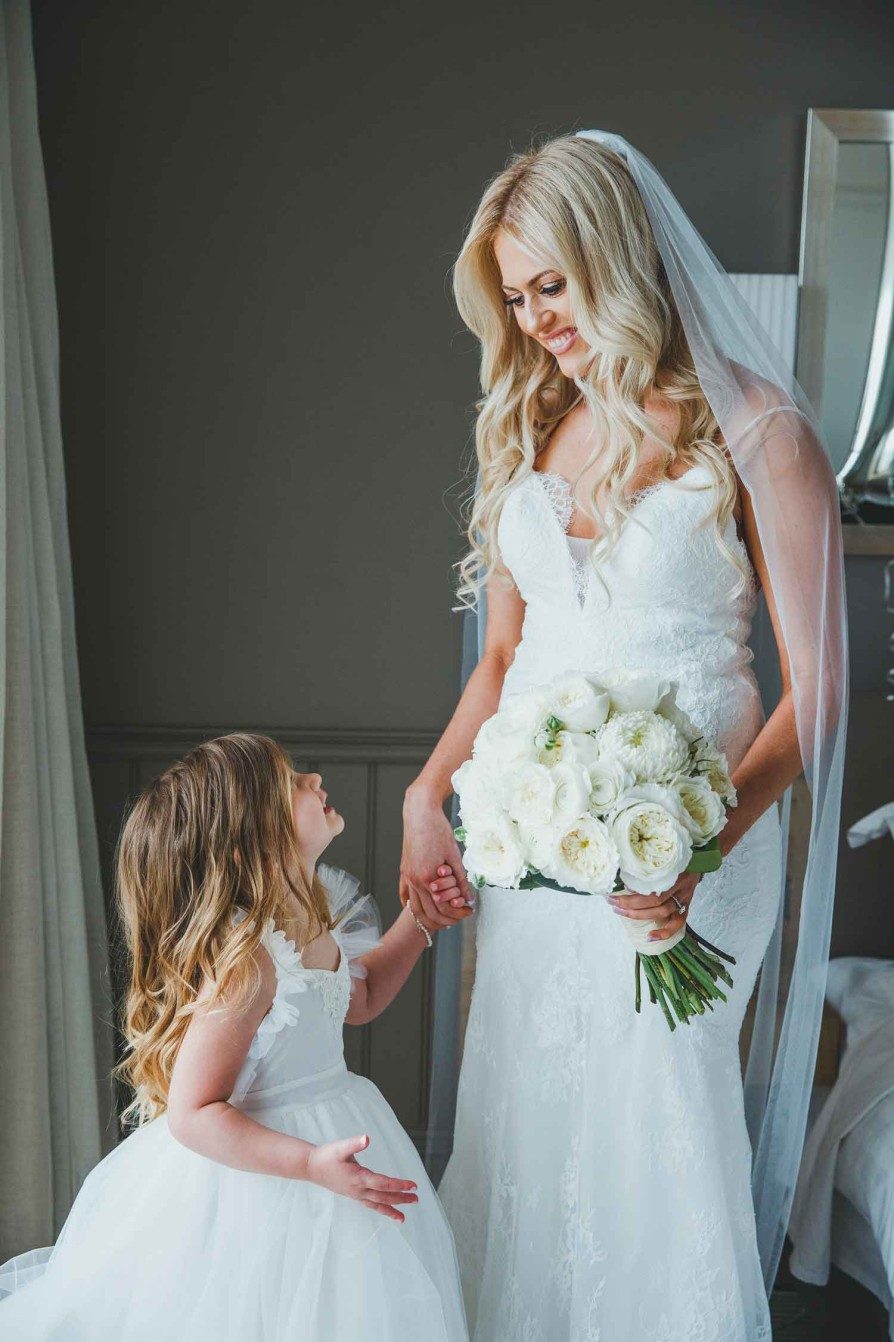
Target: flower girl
{"x":238,"y":1209}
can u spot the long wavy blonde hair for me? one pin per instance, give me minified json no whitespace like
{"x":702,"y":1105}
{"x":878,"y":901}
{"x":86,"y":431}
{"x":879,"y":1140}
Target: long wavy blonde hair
{"x":212,"y":834}
{"x":573,"y":201}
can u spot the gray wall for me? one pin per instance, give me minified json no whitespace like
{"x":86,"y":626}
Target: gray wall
{"x":266,"y":389}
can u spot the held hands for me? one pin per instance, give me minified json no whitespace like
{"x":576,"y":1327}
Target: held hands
{"x":333,"y":1166}
{"x":659,"y":908}
{"x":432,"y":878}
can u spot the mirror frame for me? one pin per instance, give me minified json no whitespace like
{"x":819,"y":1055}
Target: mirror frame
{"x":827,"y":128}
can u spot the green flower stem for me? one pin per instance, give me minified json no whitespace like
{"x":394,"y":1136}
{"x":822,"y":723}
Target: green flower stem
{"x":730,"y":959}
{"x":655,"y":981}
{"x":682,"y":989}
{"x":696,"y":969}
{"x":670,"y":988}
{"x":709,"y":962}
{"x":638,"y":983}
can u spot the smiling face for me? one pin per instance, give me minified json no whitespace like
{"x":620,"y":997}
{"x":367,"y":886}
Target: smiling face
{"x":537,"y":294}
{"x":316,"y":823}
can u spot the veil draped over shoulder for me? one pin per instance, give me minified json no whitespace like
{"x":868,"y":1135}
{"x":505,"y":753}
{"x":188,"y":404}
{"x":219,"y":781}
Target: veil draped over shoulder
{"x":775,"y":444}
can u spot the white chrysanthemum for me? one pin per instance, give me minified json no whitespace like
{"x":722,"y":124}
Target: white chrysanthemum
{"x":654,"y":846}
{"x":585,"y":858}
{"x":681,"y":720}
{"x":494,"y":851}
{"x":646,"y":744}
{"x":711,"y":764}
{"x":578,"y":703}
{"x":704,"y":808}
{"x":609,"y":780}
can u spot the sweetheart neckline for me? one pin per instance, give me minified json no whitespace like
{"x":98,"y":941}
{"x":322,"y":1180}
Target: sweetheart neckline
{"x":579,"y":578}
{"x":636,"y":498}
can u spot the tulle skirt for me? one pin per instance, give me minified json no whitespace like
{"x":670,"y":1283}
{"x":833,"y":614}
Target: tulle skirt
{"x":163,"y":1243}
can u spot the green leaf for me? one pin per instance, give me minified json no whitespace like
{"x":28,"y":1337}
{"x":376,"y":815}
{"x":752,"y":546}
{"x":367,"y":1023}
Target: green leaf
{"x":706,"y":858}
{"x":554,"y":724}
{"x":535,"y":880}
{"x":460,"y":834}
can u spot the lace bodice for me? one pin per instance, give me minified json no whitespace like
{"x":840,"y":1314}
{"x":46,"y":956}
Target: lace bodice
{"x":661,"y":599}
{"x":301,"y":1034}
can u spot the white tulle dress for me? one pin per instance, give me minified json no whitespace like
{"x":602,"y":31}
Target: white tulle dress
{"x":599,"y":1186}
{"x":164,"y":1244}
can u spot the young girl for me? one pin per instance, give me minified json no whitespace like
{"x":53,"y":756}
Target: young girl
{"x":238,"y":1209}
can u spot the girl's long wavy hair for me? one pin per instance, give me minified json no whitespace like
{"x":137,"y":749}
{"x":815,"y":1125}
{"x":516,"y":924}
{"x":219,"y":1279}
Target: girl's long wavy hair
{"x":573,"y":202}
{"x":212,"y":834}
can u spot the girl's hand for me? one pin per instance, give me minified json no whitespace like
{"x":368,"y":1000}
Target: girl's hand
{"x":333,"y":1166}
{"x":445,"y":889}
{"x":659,"y":908}
{"x":429,"y":844}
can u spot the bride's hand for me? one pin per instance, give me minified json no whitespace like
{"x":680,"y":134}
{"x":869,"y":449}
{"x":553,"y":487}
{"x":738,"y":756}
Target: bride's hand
{"x":429,"y":846}
{"x":659,"y":908}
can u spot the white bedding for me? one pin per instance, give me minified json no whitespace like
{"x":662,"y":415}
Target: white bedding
{"x":843,"y":1211}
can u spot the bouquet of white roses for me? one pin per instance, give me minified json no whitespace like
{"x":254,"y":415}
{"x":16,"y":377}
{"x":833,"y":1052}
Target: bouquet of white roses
{"x":591,"y":786}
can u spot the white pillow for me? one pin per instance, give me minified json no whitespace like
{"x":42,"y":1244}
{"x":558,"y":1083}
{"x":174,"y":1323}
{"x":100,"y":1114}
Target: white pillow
{"x":861,"y":989}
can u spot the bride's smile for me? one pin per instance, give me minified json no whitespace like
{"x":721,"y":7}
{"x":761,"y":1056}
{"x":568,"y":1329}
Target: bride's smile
{"x":538,"y":295}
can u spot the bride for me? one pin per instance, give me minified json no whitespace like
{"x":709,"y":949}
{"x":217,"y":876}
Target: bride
{"x":638,"y":485}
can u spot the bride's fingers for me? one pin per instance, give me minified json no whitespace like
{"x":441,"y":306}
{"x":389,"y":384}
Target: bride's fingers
{"x":673,"y":924}
{"x":665,"y":908}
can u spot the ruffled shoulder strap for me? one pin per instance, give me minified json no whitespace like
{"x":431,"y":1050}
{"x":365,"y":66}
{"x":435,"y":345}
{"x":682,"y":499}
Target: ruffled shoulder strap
{"x":292,"y":977}
{"x":359,"y":929}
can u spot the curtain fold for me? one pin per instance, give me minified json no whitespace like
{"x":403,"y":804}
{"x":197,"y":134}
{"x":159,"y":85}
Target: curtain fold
{"x":56,"y":1032}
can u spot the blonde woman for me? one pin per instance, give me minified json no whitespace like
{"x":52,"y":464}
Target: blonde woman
{"x":599,"y":1186}
{"x":238,"y":1209}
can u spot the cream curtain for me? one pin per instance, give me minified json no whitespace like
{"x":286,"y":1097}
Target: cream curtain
{"x":55,"y":1015}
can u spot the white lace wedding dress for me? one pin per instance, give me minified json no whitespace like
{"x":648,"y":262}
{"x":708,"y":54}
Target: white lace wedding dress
{"x":599,"y":1187}
{"x":163,"y":1243}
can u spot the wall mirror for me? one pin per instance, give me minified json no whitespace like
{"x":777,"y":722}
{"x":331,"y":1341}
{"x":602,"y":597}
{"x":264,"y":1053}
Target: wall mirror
{"x":845,"y":355}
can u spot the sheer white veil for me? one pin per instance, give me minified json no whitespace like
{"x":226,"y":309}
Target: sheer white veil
{"x":775,"y":443}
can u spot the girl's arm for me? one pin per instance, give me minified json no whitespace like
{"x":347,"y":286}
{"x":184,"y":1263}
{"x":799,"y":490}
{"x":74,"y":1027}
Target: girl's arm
{"x":388,"y":966}
{"x":199,"y":1115}
{"x":428,"y":835}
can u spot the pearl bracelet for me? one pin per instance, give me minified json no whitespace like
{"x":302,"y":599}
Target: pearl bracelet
{"x":422,"y":928}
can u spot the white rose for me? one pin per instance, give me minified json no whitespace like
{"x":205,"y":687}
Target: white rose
{"x":525,"y":709}
{"x":572,"y":796}
{"x":539,"y":843}
{"x":567,"y":748}
{"x":633,"y":690}
{"x":653,"y":845}
{"x":503,"y":741}
{"x":585,"y":857}
{"x":578,"y":703}
{"x":705,"y":811}
{"x":494,"y":851}
{"x":478,"y":787}
{"x":609,"y":780}
{"x":711,"y":764}
{"x":646,"y":744}
{"x":531,"y":796}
